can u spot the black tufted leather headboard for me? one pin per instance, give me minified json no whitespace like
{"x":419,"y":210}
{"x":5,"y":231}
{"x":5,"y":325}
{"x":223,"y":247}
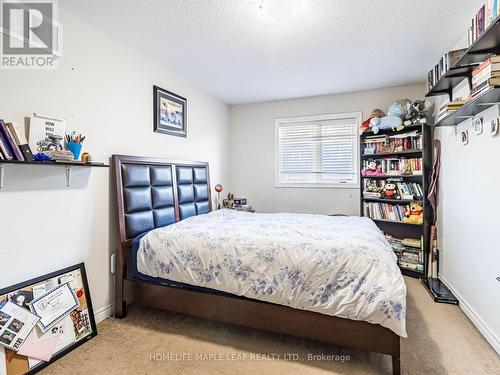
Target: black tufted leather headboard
{"x":153,"y":193}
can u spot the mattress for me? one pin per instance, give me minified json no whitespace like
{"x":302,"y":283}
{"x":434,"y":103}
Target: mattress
{"x":338,"y":266}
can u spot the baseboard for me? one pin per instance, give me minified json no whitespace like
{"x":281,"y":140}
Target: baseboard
{"x":474,"y":317}
{"x":104,"y":312}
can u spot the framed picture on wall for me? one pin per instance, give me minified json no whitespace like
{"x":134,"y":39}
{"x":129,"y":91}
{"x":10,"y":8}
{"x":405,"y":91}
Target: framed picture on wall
{"x":170,"y":113}
{"x":65,"y":319}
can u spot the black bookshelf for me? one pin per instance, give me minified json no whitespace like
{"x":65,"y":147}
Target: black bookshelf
{"x":395,"y":228}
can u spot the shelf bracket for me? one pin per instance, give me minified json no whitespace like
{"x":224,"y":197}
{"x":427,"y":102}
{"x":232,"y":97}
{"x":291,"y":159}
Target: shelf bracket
{"x":68,"y":175}
{"x":2,"y":175}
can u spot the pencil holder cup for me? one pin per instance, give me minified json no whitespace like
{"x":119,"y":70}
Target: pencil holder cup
{"x":75,"y":148}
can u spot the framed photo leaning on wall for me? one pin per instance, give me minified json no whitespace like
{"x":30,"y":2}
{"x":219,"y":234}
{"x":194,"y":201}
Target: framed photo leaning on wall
{"x":170,"y":113}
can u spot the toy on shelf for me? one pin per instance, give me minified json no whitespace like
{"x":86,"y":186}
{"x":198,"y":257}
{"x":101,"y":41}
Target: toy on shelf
{"x":390,"y":191}
{"x":372,"y":169}
{"x":418,"y":110}
{"x":393,"y":120}
{"x":415,"y":215}
{"x":376,"y":113}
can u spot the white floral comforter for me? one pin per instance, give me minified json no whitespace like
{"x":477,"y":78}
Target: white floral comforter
{"x":339,"y":266}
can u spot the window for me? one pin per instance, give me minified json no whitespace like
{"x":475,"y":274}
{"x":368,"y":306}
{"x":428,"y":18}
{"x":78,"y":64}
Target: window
{"x":317,"y":151}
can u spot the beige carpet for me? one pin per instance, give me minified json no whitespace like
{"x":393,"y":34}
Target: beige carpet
{"x":441,"y":341}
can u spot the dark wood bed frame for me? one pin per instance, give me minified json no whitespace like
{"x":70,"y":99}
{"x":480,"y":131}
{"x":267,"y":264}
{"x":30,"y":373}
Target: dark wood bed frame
{"x":234,"y":309}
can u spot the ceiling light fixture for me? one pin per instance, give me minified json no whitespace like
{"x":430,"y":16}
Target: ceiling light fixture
{"x":278,"y":11}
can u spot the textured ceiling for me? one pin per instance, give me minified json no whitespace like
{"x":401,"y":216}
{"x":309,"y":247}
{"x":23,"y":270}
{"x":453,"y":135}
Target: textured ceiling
{"x":232,"y":51}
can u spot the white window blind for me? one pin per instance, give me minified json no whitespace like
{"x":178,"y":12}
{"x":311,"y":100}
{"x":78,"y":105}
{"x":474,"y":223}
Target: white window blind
{"x":317,"y":150}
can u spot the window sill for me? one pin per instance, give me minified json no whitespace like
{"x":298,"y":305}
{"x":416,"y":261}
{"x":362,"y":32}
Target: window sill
{"x":318,"y":186}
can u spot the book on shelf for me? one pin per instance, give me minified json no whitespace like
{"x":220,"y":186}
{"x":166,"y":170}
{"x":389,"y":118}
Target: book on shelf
{"x":9,"y":143}
{"x":398,"y":189}
{"x":486,"y":15}
{"x":4,"y":149}
{"x":11,"y":136}
{"x":449,"y":108}
{"x":489,"y":68}
{"x":21,"y":142}
{"x":392,"y":167}
{"x":409,"y":252}
{"x":456,"y":104}
{"x":388,"y":144}
{"x":446,"y":62}
{"x":385,"y":211}
{"x":412,"y":266}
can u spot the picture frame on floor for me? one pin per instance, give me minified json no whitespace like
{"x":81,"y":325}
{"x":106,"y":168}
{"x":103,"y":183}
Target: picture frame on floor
{"x":170,"y":113}
{"x":70,"y":329}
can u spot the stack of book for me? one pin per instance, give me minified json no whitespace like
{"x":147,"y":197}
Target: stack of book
{"x":385,"y":211}
{"x":62,"y":155}
{"x":13,"y":144}
{"x":409,"y":252}
{"x":483,"y":19}
{"x":449,"y":108}
{"x":443,"y":66}
{"x":485,"y":76}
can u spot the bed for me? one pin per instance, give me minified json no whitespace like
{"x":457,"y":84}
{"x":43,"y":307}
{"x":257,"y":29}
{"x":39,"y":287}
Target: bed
{"x":332,"y":279}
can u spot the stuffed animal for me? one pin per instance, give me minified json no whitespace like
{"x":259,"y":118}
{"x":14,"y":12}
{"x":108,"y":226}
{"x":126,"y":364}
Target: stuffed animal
{"x":375,"y":113}
{"x":386,"y":122}
{"x":390,"y":191}
{"x":372,"y":169}
{"x":417,"y":113}
{"x":415,"y":215}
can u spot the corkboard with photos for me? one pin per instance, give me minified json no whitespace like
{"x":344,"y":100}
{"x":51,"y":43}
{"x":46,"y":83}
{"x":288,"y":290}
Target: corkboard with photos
{"x":72,"y":330}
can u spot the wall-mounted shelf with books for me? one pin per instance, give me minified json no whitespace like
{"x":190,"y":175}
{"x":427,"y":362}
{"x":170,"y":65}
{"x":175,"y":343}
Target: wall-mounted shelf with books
{"x":66,"y":164}
{"x":451,"y":79}
{"x":458,"y":65}
{"x":485,"y":46}
{"x":488,"y":99}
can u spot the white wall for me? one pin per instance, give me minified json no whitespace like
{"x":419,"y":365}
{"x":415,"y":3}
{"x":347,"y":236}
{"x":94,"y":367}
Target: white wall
{"x":104,"y":90}
{"x":252,"y":149}
{"x":469,"y":229}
